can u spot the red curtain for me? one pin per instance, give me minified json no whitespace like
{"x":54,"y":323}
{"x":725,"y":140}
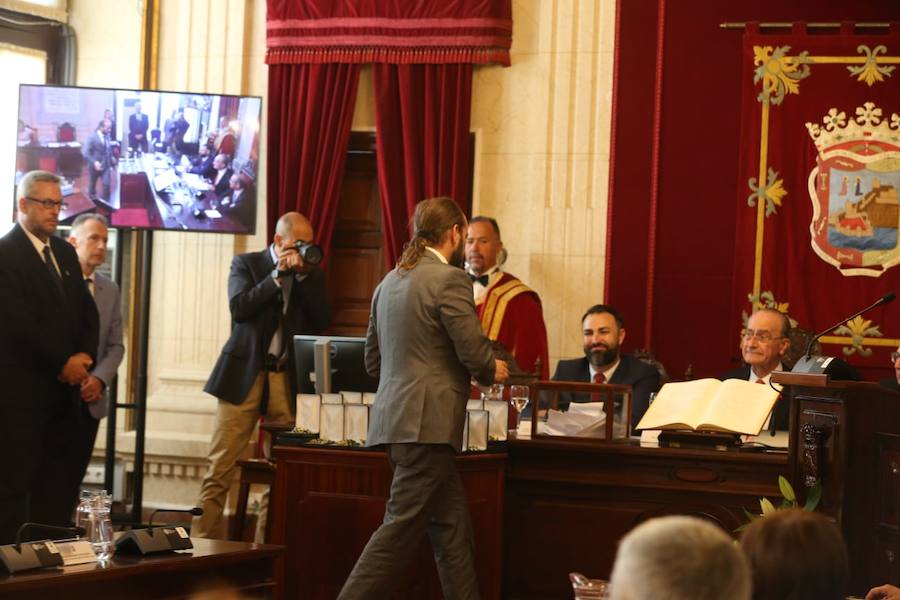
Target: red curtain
{"x":817,"y":228}
{"x":310,"y":113}
{"x":422,"y":131}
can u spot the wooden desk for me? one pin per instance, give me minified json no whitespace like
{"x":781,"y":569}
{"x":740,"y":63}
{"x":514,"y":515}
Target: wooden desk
{"x":329,"y":501}
{"x":565,"y":505}
{"x":245,"y":567}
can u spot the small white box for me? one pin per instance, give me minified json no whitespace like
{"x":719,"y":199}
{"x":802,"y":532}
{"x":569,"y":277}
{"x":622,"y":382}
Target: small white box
{"x":352,"y":397}
{"x":477,"y":430}
{"x":356,"y":422}
{"x":474,"y":404}
{"x":332,"y":399}
{"x":369,"y":398}
{"x":308,"y":411}
{"x":332,"y":423}
{"x":499,"y":421}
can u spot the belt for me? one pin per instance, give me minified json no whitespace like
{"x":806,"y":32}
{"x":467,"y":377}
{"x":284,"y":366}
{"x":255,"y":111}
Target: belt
{"x":273,"y":365}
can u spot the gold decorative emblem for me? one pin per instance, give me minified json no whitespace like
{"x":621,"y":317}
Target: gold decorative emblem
{"x":858,"y":329}
{"x":871,"y":71}
{"x":780,"y":74}
{"x":772,"y":192}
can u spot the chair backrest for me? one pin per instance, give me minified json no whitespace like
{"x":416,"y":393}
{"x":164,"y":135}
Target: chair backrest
{"x":65,"y":132}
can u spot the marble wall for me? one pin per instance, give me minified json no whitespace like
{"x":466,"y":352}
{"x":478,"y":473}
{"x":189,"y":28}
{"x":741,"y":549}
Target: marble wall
{"x":541,"y":168}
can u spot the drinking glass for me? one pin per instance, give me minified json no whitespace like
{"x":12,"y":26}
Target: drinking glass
{"x":100,"y":531}
{"x":588,"y":589}
{"x":518,"y":397}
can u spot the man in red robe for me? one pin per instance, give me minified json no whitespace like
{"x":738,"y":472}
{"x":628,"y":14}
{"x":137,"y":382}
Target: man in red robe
{"x":510,"y":311}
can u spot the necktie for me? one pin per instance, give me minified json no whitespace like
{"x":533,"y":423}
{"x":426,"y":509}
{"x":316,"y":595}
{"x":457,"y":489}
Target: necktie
{"x":89,"y":284}
{"x":54,"y":274}
{"x":597,"y":378}
{"x":483,"y":279}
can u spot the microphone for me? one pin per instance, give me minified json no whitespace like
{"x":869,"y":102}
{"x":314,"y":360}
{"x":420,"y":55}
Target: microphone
{"x":70,"y":531}
{"x":196,"y":511}
{"x":820,"y":364}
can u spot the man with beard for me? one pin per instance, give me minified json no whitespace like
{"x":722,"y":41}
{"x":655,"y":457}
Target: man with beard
{"x":510,"y":312}
{"x":603,"y":331}
{"x":424,"y":343}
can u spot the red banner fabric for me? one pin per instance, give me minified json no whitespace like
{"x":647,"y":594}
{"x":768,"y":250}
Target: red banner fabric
{"x":310,"y":114}
{"x":817,"y":227}
{"x":399,"y":32}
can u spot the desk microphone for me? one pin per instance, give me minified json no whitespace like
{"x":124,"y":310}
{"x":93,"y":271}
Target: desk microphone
{"x":43,"y":527}
{"x":822,"y":364}
{"x":196,"y":511}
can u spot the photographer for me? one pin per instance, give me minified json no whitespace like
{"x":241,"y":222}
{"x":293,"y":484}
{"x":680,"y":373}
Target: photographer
{"x":273,"y":295}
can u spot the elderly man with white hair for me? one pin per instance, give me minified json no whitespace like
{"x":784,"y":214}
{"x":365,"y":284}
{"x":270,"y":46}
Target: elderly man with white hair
{"x":679,"y":558}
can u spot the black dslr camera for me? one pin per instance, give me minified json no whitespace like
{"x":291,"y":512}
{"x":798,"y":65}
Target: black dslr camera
{"x":310,"y":253}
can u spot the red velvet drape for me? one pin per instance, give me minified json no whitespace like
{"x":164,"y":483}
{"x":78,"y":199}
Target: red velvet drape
{"x":310,"y":113}
{"x":422,"y":129}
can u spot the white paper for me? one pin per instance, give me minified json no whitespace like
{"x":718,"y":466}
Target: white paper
{"x":308,"y":411}
{"x":356,"y":422}
{"x":331,"y":427}
{"x":213,"y":213}
{"x":573,"y":423}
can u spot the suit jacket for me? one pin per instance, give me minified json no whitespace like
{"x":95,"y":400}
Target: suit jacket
{"x":255,"y":301}
{"x":424,"y":343}
{"x":242,"y":209}
{"x":781,"y":412}
{"x":95,"y":150}
{"x":110,"y":349}
{"x":890,"y":383}
{"x":202,"y":165}
{"x":643,"y":379}
{"x":222,"y":188}
{"x":138,"y":124}
{"x":40,"y":328}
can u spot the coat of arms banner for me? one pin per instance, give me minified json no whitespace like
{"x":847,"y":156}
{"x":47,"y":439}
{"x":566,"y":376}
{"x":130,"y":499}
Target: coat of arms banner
{"x":817,"y":227}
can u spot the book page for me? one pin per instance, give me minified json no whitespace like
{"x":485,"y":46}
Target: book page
{"x":681,"y":405}
{"x":740,"y":406}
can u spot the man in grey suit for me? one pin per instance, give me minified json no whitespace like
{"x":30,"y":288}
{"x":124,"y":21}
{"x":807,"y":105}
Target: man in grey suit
{"x":89,"y":236}
{"x":424,"y":343}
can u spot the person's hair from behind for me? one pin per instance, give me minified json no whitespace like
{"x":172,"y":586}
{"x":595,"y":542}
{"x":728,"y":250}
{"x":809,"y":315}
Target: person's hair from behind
{"x":796,"y":555}
{"x":431,"y":221}
{"x":679,"y":558}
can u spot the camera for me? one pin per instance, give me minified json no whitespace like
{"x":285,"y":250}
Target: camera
{"x":309,"y":252}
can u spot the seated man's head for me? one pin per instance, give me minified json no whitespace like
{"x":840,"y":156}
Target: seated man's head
{"x":895,"y":360}
{"x":236,"y":182}
{"x":220,"y":162}
{"x":483,"y":244}
{"x":765,"y":340}
{"x":679,"y":558}
{"x":798,"y":555}
{"x":603,"y":332}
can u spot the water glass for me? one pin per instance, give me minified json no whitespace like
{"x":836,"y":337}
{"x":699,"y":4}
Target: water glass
{"x":99,"y":529}
{"x":588,"y":589}
{"x":518,"y":397}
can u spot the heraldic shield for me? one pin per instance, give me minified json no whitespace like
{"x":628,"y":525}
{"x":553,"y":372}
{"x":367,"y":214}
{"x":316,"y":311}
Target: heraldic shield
{"x":854,"y":191}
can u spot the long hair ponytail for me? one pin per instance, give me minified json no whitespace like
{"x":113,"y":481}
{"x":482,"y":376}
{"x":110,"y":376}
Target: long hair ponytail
{"x":431,"y":221}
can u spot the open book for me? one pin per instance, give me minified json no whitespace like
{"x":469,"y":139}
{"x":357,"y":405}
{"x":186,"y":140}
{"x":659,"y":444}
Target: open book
{"x":731,"y":406}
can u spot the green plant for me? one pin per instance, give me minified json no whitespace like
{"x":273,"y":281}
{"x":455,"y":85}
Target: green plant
{"x":789,"y":500}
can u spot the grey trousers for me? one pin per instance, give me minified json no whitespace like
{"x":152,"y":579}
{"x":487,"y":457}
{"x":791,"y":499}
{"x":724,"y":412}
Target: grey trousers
{"x":427,"y":496}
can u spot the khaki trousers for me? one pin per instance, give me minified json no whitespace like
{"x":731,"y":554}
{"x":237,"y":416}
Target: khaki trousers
{"x":234,"y":426}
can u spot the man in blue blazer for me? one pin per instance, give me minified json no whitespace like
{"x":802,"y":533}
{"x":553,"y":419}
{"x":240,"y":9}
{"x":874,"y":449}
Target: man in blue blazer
{"x":603,"y":331}
{"x":48,"y":343}
{"x":89,"y":236}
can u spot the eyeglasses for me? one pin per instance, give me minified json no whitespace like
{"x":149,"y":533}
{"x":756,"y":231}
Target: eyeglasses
{"x":49,"y":204}
{"x":895,"y":356}
{"x":761,"y":335}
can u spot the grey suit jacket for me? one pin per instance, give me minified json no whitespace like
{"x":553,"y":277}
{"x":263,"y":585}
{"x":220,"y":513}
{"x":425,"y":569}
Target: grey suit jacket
{"x":424,"y":343}
{"x":110,"y":349}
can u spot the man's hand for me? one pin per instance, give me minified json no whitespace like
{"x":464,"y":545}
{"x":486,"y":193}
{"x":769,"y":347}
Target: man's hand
{"x":501,"y":373}
{"x":98,"y":166}
{"x":290,"y":260}
{"x":76,"y":369}
{"x":883,"y":592}
{"x":91,"y":389}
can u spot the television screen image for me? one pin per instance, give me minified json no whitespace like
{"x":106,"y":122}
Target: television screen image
{"x":145,"y":159}
{"x":345,"y":363}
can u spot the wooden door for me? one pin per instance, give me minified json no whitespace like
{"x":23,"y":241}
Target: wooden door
{"x":356,"y":262}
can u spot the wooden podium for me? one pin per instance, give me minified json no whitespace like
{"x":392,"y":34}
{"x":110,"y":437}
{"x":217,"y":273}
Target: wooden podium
{"x":847,"y":435}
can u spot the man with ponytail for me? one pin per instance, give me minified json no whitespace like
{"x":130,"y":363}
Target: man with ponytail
{"x":425,"y":344}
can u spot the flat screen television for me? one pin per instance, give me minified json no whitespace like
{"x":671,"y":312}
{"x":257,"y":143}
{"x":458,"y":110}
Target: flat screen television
{"x":145,"y":159}
{"x":344,"y":361}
